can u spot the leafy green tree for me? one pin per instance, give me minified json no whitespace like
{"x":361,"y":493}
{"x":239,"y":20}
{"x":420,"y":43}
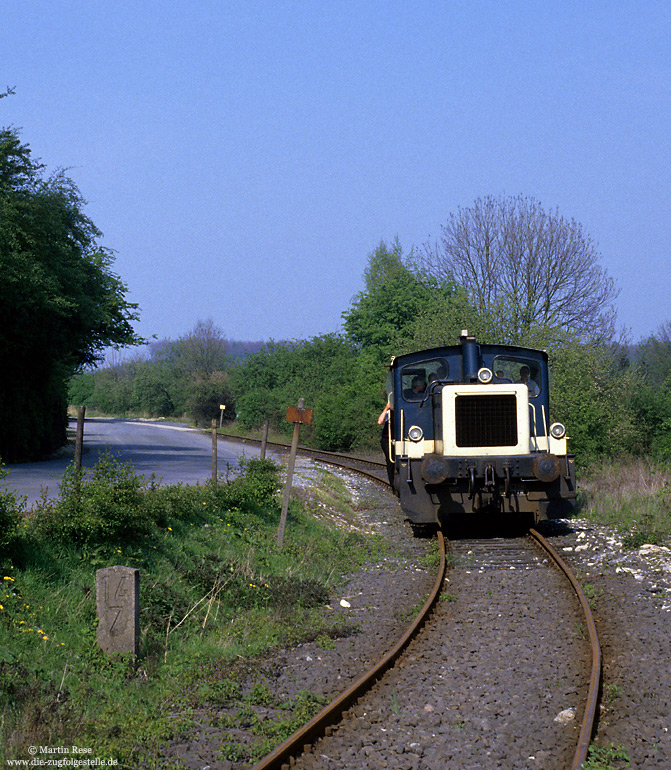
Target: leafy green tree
{"x":652,"y":407}
{"x":322,"y":371}
{"x":60,"y":303}
{"x":113,"y":392}
{"x":198,"y":353}
{"x":206,"y":394}
{"x":395,"y":295}
{"x":152,"y":390}
{"x":81,"y":388}
{"x":652,"y":398}
{"x":194,"y":373}
{"x":593,"y":393}
{"x":653,"y":356}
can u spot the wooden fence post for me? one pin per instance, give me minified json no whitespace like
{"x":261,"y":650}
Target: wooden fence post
{"x":79,"y":444}
{"x":298,"y":416}
{"x":264,"y":438}
{"x":214,"y":451}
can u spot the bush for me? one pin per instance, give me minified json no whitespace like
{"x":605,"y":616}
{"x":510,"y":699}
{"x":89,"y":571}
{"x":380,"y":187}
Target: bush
{"x":204,"y":396}
{"x":107,"y":506}
{"x":258,"y":484}
{"x":10,"y":515}
{"x":111,"y":504}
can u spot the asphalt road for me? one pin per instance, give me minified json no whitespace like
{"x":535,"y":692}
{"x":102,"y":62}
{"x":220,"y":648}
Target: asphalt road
{"x":173,"y":453}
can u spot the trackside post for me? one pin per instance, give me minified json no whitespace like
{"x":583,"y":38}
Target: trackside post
{"x":79,"y":444}
{"x":118,"y":609}
{"x":264,"y":438}
{"x":214,"y":451}
{"x":299,"y":416}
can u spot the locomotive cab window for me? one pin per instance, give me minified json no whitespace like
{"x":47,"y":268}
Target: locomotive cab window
{"x":418,"y":379}
{"x":518,"y":370}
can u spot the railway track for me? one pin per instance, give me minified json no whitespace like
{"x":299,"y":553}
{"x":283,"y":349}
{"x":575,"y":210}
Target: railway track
{"x":499,"y":555}
{"x":486,"y":605}
{"x":372,"y":469}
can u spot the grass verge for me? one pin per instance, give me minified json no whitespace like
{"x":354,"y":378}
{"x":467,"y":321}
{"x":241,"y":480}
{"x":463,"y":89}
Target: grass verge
{"x":215,"y":593}
{"x":632,"y":495}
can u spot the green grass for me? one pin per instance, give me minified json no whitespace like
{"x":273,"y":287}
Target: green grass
{"x":603,"y":757}
{"x":215,"y":595}
{"x":632,"y":495}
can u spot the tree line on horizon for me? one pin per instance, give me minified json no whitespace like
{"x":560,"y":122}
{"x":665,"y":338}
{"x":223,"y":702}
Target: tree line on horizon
{"x":504,"y":268}
{"x":614,"y":397}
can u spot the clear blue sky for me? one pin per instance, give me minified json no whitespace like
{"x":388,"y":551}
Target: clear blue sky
{"x":244,"y":158}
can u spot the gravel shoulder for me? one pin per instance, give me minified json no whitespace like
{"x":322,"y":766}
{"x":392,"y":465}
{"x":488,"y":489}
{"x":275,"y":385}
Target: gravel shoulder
{"x":630,"y":594}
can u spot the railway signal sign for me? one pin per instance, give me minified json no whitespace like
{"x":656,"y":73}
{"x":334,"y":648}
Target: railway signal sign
{"x":297,"y":414}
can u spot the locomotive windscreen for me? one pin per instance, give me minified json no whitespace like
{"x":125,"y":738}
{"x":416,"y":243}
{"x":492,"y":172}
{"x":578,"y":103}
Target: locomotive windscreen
{"x":487,"y":420}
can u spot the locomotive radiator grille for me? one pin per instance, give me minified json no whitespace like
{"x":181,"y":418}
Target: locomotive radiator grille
{"x":489,"y":420}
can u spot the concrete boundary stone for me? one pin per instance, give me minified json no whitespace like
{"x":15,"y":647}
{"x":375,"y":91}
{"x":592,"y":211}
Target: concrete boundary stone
{"x":118,"y":609}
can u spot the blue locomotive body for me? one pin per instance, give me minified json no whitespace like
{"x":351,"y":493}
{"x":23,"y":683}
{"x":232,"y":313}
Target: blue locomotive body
{"x":469,"y":431}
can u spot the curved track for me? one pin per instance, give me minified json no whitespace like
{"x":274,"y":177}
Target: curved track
{"x":372,"y":469}
{"x":587,"y":725}
{"x":323,"y":723}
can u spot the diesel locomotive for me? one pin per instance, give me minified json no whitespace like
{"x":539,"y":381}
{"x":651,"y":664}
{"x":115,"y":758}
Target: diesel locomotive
{"x":469,"y":431}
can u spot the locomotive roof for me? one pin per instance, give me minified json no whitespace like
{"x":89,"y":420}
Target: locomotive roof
{"x":489,"y":350}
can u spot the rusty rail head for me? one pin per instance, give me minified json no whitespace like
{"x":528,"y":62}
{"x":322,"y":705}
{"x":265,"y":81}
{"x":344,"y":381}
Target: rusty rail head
{"x":587,"y":726}
{"x":330,"y":715}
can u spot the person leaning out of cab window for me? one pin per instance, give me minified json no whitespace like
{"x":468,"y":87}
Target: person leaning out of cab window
{"x":534,"y":390}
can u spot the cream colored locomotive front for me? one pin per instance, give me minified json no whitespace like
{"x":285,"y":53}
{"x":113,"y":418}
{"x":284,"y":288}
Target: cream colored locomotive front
{"x":533,"y":434}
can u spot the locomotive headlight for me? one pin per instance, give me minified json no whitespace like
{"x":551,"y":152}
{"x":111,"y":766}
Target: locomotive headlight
{"x":415,"y":433}
{"x":485,"y":375}
{"x":557,"y":430}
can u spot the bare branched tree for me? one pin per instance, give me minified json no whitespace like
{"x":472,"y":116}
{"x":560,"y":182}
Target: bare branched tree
{"x":538,"y":273}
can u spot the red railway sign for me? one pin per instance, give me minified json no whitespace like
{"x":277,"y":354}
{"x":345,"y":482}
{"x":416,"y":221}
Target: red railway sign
{"x":297,"y":415}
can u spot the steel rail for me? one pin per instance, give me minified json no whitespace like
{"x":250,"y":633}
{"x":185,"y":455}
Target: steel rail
{"x":318,"y":726}
{"x":348,"y":462}
{"x":587,"y":726}
{"x":303,"y":449}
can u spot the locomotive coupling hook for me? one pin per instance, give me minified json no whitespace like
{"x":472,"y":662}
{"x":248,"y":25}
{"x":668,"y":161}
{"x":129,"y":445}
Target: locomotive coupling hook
{"x":471,"y":483}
